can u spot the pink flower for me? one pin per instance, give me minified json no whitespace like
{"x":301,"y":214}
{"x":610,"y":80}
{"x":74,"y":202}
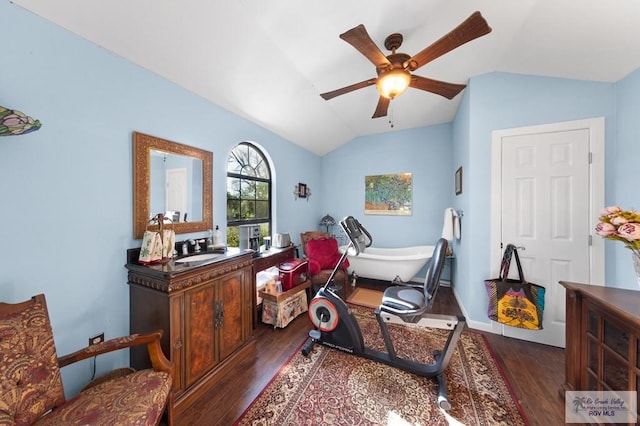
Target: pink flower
{"x":605,"y":229}
{"x":630,"y":231}
{"x":619,"y":220}
{"x":610,"y":210}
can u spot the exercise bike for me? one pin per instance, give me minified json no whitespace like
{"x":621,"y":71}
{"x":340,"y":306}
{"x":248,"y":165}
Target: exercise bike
{"x":336,"y":327}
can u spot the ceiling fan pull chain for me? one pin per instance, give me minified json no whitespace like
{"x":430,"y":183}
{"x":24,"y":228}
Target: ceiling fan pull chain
{"x":391,"y":117}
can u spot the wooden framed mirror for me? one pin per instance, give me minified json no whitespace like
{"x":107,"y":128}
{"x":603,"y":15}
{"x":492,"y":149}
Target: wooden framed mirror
{"x":173,"y":179}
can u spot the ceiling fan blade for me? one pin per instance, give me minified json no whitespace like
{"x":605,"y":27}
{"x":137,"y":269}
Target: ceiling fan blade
{"x":382,"y":107}
{"x":347,"y":89}
{"x":473,"y":27}
{"x":359,"y":38}
{"x":442,"y":88}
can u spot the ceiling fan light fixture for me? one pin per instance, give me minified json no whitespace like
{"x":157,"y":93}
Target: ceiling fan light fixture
{"x":393,"y":83}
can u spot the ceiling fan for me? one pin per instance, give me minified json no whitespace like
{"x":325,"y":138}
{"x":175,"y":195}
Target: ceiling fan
{"x":394,"y":70}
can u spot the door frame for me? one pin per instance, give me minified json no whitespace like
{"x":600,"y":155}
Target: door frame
{"x":595,"y":126}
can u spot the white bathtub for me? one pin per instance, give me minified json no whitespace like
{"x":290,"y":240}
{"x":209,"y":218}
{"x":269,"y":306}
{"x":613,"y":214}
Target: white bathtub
{"x":388,"y":263}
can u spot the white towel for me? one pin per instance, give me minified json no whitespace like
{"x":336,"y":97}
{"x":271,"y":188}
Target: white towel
{"x":451,"y":225}
{"x":456,"y":225}
{"x":447,"y":227}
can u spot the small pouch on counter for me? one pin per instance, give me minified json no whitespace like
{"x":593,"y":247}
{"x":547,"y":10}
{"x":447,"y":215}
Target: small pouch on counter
{"x":151,"y":250}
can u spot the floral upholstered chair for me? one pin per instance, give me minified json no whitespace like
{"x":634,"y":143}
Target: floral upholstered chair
{"x":31,"y":391}
{"x":323,"y":255}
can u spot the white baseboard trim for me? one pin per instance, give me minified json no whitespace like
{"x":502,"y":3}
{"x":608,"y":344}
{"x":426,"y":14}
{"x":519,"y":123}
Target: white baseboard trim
{"x":420,"y":280}
{"x":477,"y":325}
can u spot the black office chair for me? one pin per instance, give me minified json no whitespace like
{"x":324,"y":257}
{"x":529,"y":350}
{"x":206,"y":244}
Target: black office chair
{"x":409,"y":301}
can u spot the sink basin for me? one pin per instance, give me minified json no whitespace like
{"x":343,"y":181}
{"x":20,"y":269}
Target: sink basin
{"x":199,"y":257}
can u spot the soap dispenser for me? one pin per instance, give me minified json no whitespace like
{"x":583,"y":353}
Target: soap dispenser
{"x":217,"y":238}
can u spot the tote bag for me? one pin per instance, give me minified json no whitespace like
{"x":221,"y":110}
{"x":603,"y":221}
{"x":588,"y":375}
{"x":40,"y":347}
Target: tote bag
{"x":517,"y":303}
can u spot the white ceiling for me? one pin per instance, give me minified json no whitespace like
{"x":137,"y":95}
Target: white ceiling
{"x":268,"y":60}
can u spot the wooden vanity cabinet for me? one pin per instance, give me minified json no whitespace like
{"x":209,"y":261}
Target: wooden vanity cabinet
{"x":603,"y":338}
{"x":207,"y":317}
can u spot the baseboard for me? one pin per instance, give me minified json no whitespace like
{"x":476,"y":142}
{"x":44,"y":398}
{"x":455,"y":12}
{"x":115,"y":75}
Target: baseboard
{"x":476,"y":325}
{"x":420,"y":280}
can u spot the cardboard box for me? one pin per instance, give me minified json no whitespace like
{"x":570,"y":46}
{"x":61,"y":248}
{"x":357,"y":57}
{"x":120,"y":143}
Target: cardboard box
{"x":282,"y":312}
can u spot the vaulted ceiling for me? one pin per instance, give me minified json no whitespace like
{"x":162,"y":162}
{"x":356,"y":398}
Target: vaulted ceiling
{"x":269,"y":60}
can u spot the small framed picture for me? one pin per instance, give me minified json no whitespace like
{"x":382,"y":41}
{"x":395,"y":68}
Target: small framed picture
{"x":458,"y":181}
{"x":302,"y":190}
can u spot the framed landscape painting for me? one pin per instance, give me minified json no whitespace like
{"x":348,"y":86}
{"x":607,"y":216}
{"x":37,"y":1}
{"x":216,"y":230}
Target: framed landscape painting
{"x":388,"y":194}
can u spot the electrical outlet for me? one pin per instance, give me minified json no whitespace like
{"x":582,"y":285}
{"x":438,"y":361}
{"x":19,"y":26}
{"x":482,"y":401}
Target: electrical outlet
{"x":98,"y":338}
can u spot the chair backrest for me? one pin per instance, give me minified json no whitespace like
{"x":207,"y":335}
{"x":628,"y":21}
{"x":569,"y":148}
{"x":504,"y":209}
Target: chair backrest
{"x":29,"y":374}
{"x":434,"y":271}
{"x":311,"y":235}
{"x":324,"y":251}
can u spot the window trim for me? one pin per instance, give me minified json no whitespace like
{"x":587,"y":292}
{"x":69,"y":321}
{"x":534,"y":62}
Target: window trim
{"x":241,"y":176}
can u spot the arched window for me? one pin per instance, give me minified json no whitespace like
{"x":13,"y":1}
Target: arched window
{"x":248,"y":192}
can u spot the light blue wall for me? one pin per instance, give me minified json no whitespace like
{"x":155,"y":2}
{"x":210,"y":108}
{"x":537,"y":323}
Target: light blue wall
{"x":66,"y":189}
{"x":623,"y":173}
{"x":461,"y":140}
{"x":499,"y":101}
{"x":424,"y":152}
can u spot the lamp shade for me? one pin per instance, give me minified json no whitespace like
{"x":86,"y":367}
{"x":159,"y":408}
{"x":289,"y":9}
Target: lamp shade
{"x":13,"y":123}
{"x":327,"y":221}
{"x":393,"y":83}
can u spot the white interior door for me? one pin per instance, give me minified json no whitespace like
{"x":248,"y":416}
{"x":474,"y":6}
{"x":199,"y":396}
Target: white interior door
{"x":176,"y":196}
{"x":546,"y":208}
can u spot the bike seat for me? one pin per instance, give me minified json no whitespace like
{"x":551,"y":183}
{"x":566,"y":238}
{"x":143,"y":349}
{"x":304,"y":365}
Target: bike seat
{"x":408,"y":300}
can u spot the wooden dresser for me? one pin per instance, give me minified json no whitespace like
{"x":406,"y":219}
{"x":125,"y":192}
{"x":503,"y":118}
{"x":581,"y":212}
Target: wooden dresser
{"x":603,"y":338}
{"x":206,"y":312}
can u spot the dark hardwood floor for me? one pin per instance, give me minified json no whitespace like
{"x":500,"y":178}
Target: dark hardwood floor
{"x":535,"y":372}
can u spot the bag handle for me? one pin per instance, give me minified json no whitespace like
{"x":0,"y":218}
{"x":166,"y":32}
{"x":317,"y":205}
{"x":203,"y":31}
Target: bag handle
{"x":510,"y":251}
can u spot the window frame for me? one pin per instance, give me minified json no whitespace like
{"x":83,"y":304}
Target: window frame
{"x":243,"y":177}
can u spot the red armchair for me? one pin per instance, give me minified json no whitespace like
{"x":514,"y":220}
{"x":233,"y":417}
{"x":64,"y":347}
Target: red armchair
{"x":31,"y":391}
{"x":323,"y":255}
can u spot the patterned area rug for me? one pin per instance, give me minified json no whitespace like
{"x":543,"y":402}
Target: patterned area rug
{"x":331,"y":387}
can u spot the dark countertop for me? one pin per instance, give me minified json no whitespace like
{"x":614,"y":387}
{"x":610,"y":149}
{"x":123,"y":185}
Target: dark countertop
{"x":171,"y":267}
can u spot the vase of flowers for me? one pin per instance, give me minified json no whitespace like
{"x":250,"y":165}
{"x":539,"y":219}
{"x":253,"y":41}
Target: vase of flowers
{"x":624,"y":226}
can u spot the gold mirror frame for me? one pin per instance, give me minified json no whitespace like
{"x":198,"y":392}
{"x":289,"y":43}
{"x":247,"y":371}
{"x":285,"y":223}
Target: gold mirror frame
{"x":142,"y":146}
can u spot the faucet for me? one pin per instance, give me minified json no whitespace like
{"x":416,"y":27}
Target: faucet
{"x":192,"y":242}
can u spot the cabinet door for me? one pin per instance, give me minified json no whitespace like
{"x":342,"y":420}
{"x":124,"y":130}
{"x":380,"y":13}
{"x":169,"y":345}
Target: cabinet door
{"x":200,"y":333}
{"x":176,"y":344}
{"x":610,"y":353}
{"x":235,"y":296}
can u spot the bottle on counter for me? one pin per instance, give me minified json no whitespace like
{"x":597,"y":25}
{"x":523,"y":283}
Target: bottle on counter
{"x":217,"y":237}
{"x":210,"y":240}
